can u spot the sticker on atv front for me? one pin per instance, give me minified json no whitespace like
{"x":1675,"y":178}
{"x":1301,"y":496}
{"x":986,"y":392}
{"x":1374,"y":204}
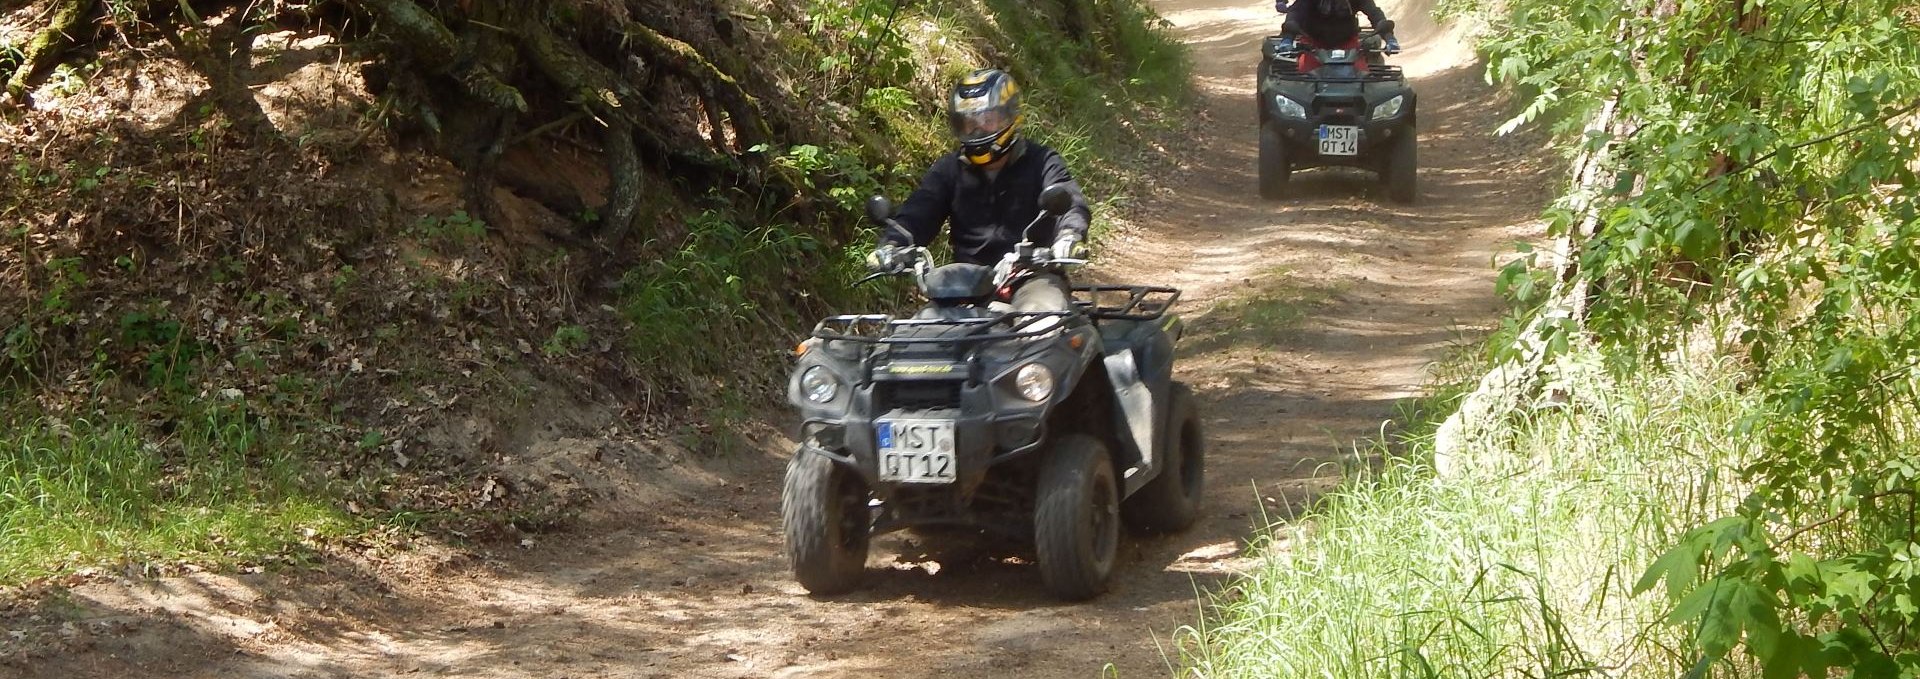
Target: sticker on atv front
{"x":1339,"y":140}
{"x":916,"y":451}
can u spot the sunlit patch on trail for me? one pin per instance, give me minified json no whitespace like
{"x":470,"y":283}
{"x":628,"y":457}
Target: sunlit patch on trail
{"x":1217,"y":558}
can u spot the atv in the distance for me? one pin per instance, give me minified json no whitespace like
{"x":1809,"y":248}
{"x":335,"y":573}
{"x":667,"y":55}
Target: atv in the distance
{"x":1043,"y":428}
{"x":1341,"y":106}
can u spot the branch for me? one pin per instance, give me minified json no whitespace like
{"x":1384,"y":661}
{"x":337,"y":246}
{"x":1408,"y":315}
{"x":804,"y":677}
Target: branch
{"x":1782,"y":542}
{"x":1876,"y":122}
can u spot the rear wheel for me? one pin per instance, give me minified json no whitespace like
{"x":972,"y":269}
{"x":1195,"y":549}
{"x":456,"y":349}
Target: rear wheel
{"x":1171,"y":501}
{"x":1076,"y":520}
{"x":1402,"y":172}
{"x":823,"y":507}
{"x":1275,"y":168}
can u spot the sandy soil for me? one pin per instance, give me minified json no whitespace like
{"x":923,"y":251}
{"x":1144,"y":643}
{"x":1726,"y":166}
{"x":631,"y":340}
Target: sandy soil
{"x":1310,"y":321}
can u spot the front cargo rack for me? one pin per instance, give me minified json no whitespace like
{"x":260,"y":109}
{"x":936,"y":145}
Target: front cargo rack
{"x":884,"y":329}
{"x":1125,"y":302}
{"x":1379,"y":73}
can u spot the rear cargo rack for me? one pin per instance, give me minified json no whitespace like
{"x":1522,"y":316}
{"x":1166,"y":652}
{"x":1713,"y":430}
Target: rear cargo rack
{"x":1134,"y":302}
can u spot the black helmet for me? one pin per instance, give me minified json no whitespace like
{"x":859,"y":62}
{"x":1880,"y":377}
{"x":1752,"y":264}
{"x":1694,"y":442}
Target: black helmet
{"x":984,"y":113}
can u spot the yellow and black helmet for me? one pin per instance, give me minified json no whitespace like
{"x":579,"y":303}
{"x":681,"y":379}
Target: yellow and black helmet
{"x":984,"y":113}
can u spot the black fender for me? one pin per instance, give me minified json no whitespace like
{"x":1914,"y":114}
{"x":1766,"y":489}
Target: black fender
{"x":1139,"y":367}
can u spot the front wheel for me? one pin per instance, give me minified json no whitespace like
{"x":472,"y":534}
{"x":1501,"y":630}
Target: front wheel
{"x":1171,"y":501}
{"x":1076,"y":522}
{"x":1275,"y":168}
{"x":1402,"y":172}
{"x":823,"y":508}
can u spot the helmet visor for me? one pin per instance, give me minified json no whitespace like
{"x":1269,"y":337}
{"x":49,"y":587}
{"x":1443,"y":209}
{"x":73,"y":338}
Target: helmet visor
{"x":981,"y":126}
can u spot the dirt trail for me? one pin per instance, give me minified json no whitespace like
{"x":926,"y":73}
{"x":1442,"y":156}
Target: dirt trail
{"x":1309,"y":321}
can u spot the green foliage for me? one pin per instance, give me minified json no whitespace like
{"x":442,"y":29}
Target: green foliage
{"x":1516,"y":563}
{"x":842,"y":175}
{"x":221,"y":486}
{"x":869,"y":46}
{"x":724,"y":302}
{"x":166,"y":355}
{"x":1766,"y":203}
{"x":64,"y":276}
{"x":456,"y":228}
{"x":565,"y":341}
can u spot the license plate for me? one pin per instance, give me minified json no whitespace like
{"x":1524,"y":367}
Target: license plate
{"x":916,"y":451}
{"x":1339,"y":140}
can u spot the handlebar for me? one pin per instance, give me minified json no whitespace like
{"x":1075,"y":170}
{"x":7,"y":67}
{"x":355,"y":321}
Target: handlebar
{"x":917,"y":261}
{"x":1367,"y":39}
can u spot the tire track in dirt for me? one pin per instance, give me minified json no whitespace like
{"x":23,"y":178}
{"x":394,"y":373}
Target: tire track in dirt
{"x":1309,"y":321}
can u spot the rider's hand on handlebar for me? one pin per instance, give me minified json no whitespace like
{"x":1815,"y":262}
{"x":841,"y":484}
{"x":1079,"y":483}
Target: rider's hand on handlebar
{"x":888,"y":258}
{"x":1068,"y":246}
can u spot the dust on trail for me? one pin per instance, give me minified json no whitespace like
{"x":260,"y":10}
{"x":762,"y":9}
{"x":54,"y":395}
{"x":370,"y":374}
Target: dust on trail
{"x":1309,"y":321}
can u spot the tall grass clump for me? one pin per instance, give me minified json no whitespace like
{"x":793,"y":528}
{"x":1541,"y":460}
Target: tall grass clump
{"x":222,"y":486}
{"x":1521,"y":564}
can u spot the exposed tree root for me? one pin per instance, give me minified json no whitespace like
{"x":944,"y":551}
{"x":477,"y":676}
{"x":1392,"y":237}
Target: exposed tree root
{"x":433,"y":46}
{"x":748,"y":118}
{"x":623,"y":192}
{"x":44,"y":49}
{"x":477,"y":76}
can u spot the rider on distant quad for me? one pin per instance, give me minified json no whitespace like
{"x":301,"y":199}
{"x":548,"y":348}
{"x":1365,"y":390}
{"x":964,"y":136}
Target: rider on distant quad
{"x":1330,"y":23}
{"x":989,"y":189}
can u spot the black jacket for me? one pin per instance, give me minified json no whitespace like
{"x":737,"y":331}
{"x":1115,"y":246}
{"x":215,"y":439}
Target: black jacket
{"x":987,"y":215}
{"x":1330,"y":30}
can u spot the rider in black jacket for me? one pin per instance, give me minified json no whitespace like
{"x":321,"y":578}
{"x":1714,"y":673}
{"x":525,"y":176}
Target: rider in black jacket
{"x":1330,"y":23}
{"x":989,"y":190}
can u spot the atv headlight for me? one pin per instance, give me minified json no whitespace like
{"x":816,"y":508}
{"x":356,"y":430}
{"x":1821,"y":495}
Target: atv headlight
{"x":1034,"y":381}
{"x":1288,"y":108}
{"x":1389,"y":108}
{"x":819,"y":384}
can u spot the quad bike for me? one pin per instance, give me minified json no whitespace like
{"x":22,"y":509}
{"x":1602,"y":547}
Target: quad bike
{"x":1043,"y":428}
{"x":1338,"y":106}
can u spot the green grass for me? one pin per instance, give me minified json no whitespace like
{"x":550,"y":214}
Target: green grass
{"x":1274,"y":306}
{"x":1518,"y":563}
{"x":223,"y":487}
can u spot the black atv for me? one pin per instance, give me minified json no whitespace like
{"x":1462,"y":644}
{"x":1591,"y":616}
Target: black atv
{"x":1340,"y":106}
{"x":1043,"y":428}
